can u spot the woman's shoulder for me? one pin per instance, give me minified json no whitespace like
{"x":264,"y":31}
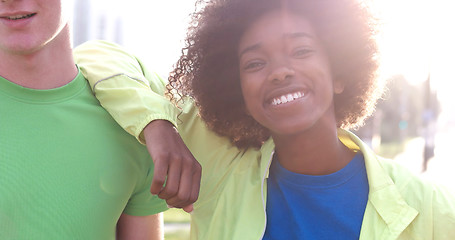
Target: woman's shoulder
{"x":419,"y":190}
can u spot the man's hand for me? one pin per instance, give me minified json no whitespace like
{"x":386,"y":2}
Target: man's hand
{"x":172,"y":159}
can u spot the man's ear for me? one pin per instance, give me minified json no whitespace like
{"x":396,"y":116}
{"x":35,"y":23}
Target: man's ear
{"x":338,"y":87}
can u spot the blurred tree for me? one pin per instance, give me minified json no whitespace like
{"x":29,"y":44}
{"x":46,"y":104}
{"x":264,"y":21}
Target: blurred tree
{"x":402,"y":108}
{"x":404,"y":112}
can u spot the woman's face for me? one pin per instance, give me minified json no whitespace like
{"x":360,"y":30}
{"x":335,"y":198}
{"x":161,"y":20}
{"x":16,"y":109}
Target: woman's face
{"x":285,"y":74}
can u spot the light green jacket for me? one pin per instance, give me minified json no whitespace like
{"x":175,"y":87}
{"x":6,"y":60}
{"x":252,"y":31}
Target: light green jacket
{"x":232,"y":199}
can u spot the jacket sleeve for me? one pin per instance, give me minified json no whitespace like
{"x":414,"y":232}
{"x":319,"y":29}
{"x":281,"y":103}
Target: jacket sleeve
{"x":129,"y":92}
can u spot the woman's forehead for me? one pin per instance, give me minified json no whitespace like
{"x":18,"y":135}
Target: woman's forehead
{"x":276,"y":24}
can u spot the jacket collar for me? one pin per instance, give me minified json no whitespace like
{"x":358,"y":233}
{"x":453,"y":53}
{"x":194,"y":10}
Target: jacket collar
{"x":384,"y":195}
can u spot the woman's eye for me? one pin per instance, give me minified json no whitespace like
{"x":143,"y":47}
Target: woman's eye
{"x":253,"y":65}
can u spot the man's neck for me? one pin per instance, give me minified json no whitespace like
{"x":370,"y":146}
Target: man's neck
{"x":50,"y":67}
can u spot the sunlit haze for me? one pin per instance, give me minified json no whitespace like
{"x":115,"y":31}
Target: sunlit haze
{"x":416,"y":38}
{"x":154,"y":30}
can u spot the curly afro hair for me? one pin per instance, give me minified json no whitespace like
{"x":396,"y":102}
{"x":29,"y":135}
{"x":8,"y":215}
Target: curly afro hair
{"x":208,"y":69}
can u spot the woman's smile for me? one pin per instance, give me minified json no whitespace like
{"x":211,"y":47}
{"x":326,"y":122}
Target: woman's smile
{"x":287,"y":98}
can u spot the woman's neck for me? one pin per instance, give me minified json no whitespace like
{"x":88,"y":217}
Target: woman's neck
{"x":317,"y":151}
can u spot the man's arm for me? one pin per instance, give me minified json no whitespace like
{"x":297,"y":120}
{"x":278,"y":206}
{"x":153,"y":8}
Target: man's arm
{"x":140,"y":227}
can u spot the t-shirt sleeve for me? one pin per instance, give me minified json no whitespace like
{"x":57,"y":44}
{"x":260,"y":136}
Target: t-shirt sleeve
{"x":129,"y":92}
{"x":142,"y":202}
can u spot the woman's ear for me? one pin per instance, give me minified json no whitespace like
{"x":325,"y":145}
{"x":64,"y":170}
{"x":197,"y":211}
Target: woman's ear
{"x":247,"y":112}
{"x":338,"y":87}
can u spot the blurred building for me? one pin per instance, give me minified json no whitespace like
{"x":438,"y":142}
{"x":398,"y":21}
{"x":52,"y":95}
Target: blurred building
{"x":92,"y":19}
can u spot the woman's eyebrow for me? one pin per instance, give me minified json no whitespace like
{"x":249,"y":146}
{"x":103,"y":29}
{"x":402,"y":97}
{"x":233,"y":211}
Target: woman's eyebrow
{"x":287,"y":35}
{"x":298,"y":35}
{"x":249,"y":49}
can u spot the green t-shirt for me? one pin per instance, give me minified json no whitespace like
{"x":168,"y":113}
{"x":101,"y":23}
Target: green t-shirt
{"x":67,"y":170}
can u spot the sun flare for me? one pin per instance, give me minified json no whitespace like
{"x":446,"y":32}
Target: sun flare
{"x":416,"y":40}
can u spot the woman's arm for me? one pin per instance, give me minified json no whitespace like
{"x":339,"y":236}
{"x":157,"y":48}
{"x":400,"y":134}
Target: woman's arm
{"x":134,"y":97}
{"x":131,"y":94}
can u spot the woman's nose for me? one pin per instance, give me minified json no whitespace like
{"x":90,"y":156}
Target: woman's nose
{"x":281,"y":73}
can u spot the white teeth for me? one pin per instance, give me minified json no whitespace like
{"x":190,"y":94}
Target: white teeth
{"x":19,"y":17}
{"x":290,"y":97}
{"x":287,"y":98}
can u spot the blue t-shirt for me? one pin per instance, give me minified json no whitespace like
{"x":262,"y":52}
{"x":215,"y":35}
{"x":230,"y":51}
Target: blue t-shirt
{"x":316,"y":207}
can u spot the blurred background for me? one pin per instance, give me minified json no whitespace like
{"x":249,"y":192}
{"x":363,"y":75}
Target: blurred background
{"x":415,"y":121}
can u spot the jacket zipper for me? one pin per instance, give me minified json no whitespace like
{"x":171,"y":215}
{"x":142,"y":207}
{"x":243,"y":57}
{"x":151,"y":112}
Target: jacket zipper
{"x":262,"y":194}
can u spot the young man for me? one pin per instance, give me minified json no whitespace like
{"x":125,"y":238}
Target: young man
{"x":67,"y":170}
